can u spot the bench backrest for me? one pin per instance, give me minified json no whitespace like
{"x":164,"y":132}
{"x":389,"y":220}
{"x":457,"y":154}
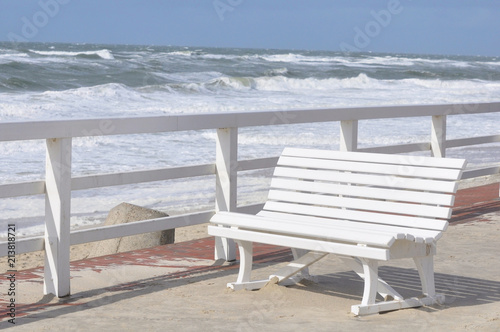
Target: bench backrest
{"x":402,"y":190}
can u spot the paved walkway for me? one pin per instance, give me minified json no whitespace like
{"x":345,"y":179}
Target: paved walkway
{"x":179,"y":287}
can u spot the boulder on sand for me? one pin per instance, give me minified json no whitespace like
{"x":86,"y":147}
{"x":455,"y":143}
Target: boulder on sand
{"x":124,"y":213}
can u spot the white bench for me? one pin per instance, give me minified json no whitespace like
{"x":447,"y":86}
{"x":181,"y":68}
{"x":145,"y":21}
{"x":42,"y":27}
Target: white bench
{"x":364,"y":207}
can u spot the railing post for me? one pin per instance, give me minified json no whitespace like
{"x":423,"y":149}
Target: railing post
{"x":438,"y":136}
{"x":57,"y":216}
{"x":226,"y":164}
{"x":348,"y":135}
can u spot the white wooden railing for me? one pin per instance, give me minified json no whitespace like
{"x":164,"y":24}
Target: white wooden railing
{"x":59,"y":182}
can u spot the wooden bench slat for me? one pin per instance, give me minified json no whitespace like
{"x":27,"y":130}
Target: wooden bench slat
{"x":385,"y":181}
{"x":377,"y":158}
{"x":364,"y":191}
{"x":298,"y":242}
{"x":371,"y":168}
{"x":360,"y":204}
{"x":372,"y":217}
{"x":428,"y":236}
{"x":329,"y":232}
{"x":353,"y":226}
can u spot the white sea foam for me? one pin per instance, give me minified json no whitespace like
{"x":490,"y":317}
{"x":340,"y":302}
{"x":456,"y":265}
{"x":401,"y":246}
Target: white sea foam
{"x":372,"y":61}
{"x":296,"y":58}
{"x":182,"y":53}
{"x":10,"y":57}
{"x":111,"y":90}
{"x":243,"y":93}
{"x":277,"y":71}
{"x":104,"y":53}
{"x":182,"y":77}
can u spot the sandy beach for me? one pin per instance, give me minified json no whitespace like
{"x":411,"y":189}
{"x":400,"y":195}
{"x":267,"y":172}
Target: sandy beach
{"x":178,"y":287}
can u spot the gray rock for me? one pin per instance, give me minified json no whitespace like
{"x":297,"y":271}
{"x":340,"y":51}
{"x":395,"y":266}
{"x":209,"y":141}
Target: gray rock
{"x":125,"y":213}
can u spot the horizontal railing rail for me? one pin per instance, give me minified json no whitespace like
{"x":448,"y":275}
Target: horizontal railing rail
{"x":60,"y":183}
{"x":15,"y":131}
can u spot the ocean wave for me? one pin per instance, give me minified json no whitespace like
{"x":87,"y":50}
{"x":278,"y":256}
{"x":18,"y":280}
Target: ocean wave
{"x":335,"y":59}
{"x":215,"y":85}
{"x":182,"y":77}
{"x":401,"y":61}
{"x":281,"y":83}
{"x":492,"y":63}
{"x":103,"y":54}
{"x":295,"y":58}
{"x":277,"y":71}
{"x":109,"y":90}
{"x":233,"y":82}
{"x":290,"y":57}
{"x":372,"y":61}
{"x":18,"y":83}
{"x":183,"y":53}
{"x":11,"y":57}
{"x":445,"y":84}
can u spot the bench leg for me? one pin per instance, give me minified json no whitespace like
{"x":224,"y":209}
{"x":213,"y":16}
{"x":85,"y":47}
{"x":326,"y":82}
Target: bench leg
{"x":370,"y":272}
{"x":425,"y":267}
{"x":244,"y":275}
{"x":383,"y":288}
{"x":373,"y":284}
{"x":246,"y":261}
{"x":284,"y":275}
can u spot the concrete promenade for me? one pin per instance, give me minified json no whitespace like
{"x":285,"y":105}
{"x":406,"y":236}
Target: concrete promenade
{"x":178,"y":287}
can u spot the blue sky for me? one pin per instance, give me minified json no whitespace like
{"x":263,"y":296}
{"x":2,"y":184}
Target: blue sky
{"x":465,"y":27}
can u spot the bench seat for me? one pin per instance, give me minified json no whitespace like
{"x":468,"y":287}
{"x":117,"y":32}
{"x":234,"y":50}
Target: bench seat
{"x":364,"y":207}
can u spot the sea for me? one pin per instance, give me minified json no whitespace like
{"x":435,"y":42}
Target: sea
{"x":46,"y":81}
